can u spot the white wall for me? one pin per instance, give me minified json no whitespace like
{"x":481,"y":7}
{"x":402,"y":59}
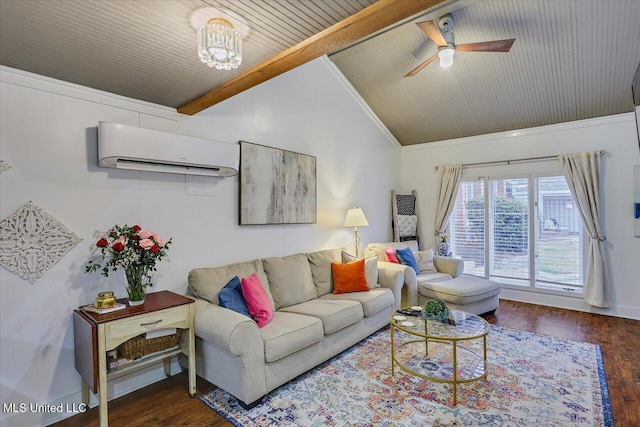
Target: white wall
{"x":615,"y":134}
{"x":311,"y":111}
{"x":48,"y":136}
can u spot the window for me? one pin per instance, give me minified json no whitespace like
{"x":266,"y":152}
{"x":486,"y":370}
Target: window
{"x":520,"y":231}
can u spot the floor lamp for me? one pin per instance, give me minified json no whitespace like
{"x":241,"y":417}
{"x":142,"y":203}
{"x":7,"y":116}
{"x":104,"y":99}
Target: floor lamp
{"x":355,"y":218}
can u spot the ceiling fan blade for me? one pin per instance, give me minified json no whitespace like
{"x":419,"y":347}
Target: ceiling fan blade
{"x":492,"y":46}
{"x":432,"y":31}
{"x":421,"y":66}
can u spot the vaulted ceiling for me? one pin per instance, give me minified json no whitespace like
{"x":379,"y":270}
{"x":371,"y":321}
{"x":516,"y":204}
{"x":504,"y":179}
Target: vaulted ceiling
{"x":572,"y":59}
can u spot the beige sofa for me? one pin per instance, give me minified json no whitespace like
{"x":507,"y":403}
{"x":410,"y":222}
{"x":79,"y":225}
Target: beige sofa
{"x":310,"y":324}
{"x":443,"y":280}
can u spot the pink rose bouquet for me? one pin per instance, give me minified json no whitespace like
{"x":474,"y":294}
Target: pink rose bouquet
{"x":132,"y":249}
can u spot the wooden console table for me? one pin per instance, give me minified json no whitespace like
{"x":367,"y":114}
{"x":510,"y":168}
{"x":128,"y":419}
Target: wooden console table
{"x":96,"y":334}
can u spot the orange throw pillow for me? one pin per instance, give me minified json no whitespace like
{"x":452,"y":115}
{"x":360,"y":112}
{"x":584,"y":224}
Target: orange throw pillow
{"x":349,"y":277}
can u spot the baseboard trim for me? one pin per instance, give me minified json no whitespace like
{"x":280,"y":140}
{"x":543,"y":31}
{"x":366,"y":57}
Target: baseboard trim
{"x":569,"y":303}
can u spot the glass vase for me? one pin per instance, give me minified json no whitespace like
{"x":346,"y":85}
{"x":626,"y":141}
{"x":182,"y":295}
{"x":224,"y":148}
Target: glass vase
{"x":137,"y":282}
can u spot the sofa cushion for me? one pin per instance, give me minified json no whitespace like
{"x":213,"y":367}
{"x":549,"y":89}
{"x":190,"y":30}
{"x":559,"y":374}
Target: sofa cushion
{"x":257,"y":300}
{"x":372,"y":301}
{"x":370,"y":268}
{"x":349,"y":277}
{"x":290,"y":280}
{"x":334,"y":314}
{"x":461,"y":290}
{"x":425,"y":261}
{"x":288,"y":333}
{"x":433,"y":277}
{"x":320,"y":264}
{"x":231,"y":297}
{"x":206,"y":283}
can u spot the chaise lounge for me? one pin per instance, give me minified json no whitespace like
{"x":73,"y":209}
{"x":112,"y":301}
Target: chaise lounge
{"x":440,"y":277}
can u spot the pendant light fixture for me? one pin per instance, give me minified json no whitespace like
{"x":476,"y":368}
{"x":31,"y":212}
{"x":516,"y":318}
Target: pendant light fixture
{"x":220,"y":45}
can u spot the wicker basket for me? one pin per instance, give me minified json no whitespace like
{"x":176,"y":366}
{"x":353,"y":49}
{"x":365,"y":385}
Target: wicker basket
{"x":139,"y":346}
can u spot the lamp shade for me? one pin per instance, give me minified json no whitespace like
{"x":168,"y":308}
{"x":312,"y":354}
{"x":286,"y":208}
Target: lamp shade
{"x":355,"y":218}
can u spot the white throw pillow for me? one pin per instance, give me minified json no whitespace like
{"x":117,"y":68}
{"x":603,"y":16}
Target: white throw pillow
{"x":370,"y":268}
{"x":425,"y":261}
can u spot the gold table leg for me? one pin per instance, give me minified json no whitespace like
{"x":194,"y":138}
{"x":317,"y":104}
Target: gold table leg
{"x":426,"y":340}
{"x":486,"y":365}
{"x":455,"y":373}
{"x":392,"y":353}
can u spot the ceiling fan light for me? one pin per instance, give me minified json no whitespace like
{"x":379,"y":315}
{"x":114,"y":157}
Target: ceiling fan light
{"x":446,"y":57}
{"x":219,"y":45}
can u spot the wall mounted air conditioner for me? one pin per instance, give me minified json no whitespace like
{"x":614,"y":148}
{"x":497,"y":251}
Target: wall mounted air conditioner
{"x":130,"y":147}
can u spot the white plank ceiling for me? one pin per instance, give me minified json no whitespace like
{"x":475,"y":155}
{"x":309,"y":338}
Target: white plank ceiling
{"x":572,"y":59}
{"x":147,"y":49}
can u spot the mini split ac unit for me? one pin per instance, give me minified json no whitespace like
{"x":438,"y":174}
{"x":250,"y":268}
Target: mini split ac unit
{"x":130,"y":147}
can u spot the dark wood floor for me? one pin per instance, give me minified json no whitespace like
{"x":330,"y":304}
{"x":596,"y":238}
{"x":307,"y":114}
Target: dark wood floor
{"x":167,"y":403}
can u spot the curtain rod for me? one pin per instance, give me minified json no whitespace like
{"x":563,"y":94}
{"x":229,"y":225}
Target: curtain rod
{"x":508,"y":162}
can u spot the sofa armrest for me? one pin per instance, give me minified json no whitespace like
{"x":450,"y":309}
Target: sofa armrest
{"x":390,"y":276}
{"x":410,"y":280}
{"x":227,"y":329}
{"x":452,"y":266}
{"x":410,"y":276}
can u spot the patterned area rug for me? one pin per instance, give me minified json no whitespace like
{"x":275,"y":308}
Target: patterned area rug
{"x":533,"y":380}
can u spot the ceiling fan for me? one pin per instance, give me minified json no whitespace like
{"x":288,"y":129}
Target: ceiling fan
{"x":447,"y":46}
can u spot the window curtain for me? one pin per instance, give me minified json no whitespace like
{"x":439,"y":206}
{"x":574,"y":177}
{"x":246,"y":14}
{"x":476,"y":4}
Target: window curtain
{"x":582,"y":171}
{"x":448,"y":183}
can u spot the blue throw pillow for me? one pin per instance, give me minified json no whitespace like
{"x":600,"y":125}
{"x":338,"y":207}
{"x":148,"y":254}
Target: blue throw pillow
{"x":405,"y":256}
{"x":230,"y":297}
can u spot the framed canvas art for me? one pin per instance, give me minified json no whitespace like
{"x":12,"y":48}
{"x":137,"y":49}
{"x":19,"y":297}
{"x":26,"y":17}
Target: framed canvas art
{"x":276,"y":186}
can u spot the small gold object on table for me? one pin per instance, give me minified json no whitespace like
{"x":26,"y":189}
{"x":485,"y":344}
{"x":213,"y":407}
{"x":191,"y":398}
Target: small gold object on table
{"x":105,"y":300}
{"x":468,"y":363}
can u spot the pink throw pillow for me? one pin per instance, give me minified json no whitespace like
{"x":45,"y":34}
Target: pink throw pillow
{"x":257,"y":300}
{"x":390,"y":255}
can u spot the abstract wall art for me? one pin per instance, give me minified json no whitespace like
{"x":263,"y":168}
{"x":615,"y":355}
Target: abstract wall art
{"x":276,"y":186}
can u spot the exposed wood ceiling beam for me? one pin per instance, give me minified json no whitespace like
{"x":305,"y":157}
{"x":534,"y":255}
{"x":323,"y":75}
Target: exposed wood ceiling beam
{"x":363,"y":23}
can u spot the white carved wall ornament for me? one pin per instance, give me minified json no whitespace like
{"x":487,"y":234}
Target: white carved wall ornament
{"x":32,"y":241}
{"x":4,"y":166}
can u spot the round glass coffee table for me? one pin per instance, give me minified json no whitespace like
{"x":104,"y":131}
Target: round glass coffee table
{"x":442,"y":351}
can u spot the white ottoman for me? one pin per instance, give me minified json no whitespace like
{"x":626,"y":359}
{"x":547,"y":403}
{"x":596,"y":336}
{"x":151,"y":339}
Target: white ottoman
{"x":466,"y":293}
